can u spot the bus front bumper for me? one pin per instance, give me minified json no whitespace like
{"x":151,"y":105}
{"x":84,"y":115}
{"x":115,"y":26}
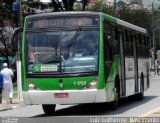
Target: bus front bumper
{"x":74,"y":96}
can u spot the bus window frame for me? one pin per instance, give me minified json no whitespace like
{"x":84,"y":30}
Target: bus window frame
{"x":44,"y":74}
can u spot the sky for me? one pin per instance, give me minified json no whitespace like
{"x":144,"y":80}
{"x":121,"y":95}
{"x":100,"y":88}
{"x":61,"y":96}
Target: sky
{"x":45,"y":0}
{"x":151,"y":1}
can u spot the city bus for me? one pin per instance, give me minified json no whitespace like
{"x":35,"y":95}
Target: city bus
{"x":82,"y":57}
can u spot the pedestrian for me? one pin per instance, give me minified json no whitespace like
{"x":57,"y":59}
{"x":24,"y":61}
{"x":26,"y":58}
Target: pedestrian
{"x":7,"y":75}
{"x":1,"y":87}
{"x":158,"y":67}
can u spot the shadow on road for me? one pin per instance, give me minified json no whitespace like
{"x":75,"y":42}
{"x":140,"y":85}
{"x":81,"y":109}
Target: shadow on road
{"x":100,"y":109}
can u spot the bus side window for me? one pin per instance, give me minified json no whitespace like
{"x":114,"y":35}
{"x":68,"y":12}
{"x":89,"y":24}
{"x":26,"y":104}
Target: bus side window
{"x":108,"y":42}
{"x":147,"y":45}
{"x":131,"y":44}
{"x":115,"y":41}
{"x":144,"y":46}
{"x":108,"y":49}
{"x":139,"y":43}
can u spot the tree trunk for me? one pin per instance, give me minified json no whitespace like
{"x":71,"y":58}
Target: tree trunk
{"x":6,"y":50}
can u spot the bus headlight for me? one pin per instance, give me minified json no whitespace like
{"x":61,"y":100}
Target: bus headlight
{"x":31,"y":86}
{"x":92,"y":84}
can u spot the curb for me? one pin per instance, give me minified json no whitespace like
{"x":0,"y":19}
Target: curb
{"x":152,"y":113}
{"x":5,"y":107}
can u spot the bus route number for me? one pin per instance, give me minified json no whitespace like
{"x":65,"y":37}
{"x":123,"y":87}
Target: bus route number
{"x":80,"y":83}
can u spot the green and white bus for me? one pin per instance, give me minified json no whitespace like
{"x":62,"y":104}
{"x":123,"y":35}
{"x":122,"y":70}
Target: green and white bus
{"x":82,"y":57}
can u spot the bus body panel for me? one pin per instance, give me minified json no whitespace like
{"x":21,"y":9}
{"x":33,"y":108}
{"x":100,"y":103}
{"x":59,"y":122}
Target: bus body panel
{"x":110,"y":82}
{"x":74,"y":96}
{"x":69,"y":83}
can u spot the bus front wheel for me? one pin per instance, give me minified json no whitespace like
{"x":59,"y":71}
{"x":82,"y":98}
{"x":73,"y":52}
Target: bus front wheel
{"x":48,"y":109}
{"x":114,"y":104}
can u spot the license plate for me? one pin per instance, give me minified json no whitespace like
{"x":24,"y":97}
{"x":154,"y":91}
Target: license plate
{"x":61,"y":95}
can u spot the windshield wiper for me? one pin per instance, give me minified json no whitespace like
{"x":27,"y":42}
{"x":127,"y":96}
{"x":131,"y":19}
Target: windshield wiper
{"x":75,"y":36}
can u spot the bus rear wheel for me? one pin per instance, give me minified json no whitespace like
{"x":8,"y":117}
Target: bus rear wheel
{"x":48,"y":109}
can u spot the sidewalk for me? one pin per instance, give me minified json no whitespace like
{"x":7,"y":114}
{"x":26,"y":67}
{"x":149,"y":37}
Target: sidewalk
{"x":152,"y":74}
{"x":15,"y":104}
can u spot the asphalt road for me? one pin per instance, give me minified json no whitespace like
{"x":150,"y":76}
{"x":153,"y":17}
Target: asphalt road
{"x":128,"y":107}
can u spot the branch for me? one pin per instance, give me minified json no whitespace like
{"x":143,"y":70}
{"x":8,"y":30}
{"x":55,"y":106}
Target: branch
{"x":55,"y":5}
{"x":59,"y":5}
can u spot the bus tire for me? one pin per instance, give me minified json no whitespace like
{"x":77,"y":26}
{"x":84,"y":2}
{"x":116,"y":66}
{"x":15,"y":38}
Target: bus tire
{"x":140,"y":95}
{"x":115,"y":103}
{"x":48,"y":109}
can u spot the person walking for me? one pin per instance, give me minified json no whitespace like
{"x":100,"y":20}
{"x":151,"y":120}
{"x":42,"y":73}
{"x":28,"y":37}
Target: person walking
{"x":7,"y":75}
{"x":1,"y":87}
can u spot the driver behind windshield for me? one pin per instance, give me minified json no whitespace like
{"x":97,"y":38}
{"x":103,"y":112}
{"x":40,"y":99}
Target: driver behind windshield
{"x":90,"y":48}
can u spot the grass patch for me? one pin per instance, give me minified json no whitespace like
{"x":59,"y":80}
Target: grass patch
{"x":15,"y":93}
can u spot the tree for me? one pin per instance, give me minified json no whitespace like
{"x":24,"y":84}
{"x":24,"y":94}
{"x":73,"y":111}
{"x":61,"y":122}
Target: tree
{"x":136,"y":17}
{"x":5,"y":33}
{"x":30,"y":6}
{"x":121,"y":4}
{"x":67,"y":5}
{"x":6,"y":26}
{"x":99,"y":7}
{"x":135,"y":1}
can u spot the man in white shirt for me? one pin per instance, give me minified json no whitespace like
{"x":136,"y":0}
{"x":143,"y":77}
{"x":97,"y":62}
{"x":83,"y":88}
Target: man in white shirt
{"x":7,"y":81}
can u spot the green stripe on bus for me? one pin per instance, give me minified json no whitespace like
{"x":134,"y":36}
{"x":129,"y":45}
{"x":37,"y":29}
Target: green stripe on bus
{"x":114,"y":70}
{"x":109,"y":18}
{"x":24,"y":84}
{"x":101,"y":73}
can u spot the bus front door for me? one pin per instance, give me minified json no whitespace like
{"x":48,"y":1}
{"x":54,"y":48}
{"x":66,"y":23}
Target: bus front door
{"x":122,"y":64}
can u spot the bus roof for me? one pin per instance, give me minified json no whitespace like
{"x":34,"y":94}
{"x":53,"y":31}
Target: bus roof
{"x":106,"y":16}
{"x":123,"y":23}
{"x":64,"y":13}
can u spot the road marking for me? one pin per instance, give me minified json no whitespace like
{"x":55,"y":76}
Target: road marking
{"x":150,"y":112}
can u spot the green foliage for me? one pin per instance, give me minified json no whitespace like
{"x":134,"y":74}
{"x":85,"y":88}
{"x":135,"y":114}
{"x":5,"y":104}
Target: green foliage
{"x":32,"y":3}
{"x":67,"y":5}
{"x":5,"y":9}
{"x":137,"y":17}
{"x":6,"y":19}
{"x":29,"y":6}
{"x":99,"y":7}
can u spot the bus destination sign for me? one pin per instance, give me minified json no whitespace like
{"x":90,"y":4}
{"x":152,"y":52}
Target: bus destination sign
{"x":53,"y":22}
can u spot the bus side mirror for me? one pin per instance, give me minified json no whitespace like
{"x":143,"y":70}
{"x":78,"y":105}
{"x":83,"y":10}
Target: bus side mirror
{"x":16,"y":39}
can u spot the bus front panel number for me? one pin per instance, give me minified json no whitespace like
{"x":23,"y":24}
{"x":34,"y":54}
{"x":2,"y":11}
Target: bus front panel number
{"x":80,"y":83}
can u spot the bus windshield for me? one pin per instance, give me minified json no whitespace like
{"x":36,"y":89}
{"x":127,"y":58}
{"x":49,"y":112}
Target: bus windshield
{"x":62,"y":51}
